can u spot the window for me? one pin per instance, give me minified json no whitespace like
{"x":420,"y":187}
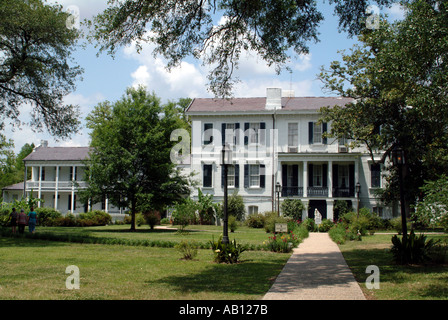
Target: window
{"x":73,"y":176}
{"x":343,"y":141}
{"x":253,"y":210}
{"x":230,"y":133}
{"x":316,"y":131}
{"x":254,"y":133}
{"x":254,"y":129}
{"x":293,"y":134}
{"x":70,"y":202}
{"x":42,"y":176}
{"x":207,"y":176}
{"x":254,"y":175}
{"x":231,"y":176}
{"x":375,"y":175}
{"x":207,"y":134}
{"x":378,"y":211}
{"x":343,"y":176}
{"x":317,"y":176}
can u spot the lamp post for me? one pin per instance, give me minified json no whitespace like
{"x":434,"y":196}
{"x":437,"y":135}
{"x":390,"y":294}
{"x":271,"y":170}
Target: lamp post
{"x":399,"y":161}
{"x":278,"y":189}
{"x":358,"y":191}
{"x":226,"y":160}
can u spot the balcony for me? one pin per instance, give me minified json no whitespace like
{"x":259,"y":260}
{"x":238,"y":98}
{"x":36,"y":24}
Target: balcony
{"x":339,"y":192}
{"x":317,"y":192}
{"x":51,"y":185}
{"x":292,"y":191}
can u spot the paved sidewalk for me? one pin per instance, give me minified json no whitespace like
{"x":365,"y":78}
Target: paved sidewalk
{"x":316,"y":271}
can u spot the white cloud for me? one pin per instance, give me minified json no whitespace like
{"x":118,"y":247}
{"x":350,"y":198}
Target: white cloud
{"x":25,"y":134}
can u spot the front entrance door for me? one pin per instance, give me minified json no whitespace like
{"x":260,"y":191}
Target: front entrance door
{"x":320,"y":205}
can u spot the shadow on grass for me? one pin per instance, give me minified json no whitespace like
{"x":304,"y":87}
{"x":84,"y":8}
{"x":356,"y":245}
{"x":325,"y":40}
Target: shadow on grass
{"x":247,"y":277}
{"x":435,"y":275}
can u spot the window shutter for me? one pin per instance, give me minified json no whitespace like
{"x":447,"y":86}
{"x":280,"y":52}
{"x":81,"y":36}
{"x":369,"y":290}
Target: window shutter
{"x":310,"y":132}
{"x":285,"y":175}
{"x":223,"y":133}
{"x":295,"y":175}
{"x":310,"y":175}
{"x":246,"y":176}
{"x":262,"y":176}
{"x":324,"y":130}
{"x":325,"y":175}
{"x":246,"y":133}
{"x":262,"y":133}
{"x":335,"y":175}
{"x":237,"y":176}
{"x":351,"y":177}
{"x":237,"y":133}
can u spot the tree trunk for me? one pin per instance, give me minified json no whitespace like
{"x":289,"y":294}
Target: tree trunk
{"x":133,"y":205}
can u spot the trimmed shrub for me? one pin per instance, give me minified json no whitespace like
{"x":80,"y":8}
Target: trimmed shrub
{"x":233,"y":224}
{"x":46,"y":216}
{"x":326,"y":225}
{"x":292,"y":208}
{"x":338,"y":233}
{"x":188,"y":249}
{"x":310,"y":225}
{"x":271,"y":219}
{"x":256,"y":221}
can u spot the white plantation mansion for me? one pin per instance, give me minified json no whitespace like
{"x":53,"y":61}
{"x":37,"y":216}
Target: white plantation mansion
{"x":277,"y":139}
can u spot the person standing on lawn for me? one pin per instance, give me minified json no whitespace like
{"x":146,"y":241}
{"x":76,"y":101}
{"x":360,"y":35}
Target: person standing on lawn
{"x":32,"y":220}
{"x":14,"y":216}
{"x":22,"y":221}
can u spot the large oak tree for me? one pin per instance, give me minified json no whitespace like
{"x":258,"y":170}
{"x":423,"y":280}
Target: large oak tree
{"x":130,"y":161}
{"x":36,"y":66}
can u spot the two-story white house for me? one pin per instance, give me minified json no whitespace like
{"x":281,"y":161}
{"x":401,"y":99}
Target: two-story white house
{"x":56,"y":176}
{"x":278,"y":139}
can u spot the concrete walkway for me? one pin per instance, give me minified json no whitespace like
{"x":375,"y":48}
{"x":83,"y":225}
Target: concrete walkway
{"x":316,"y":271}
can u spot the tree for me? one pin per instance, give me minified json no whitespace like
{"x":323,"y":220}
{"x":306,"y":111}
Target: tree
{"x":12,"y":169}
{"x":35,"y":65}
{"x":398,"y":77}
{"x":130,"y":158}
{"x":433,"y":209}
{"x":188,"y":28}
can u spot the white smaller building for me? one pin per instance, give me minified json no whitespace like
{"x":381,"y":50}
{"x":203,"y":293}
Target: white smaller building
{"x":56,"y":176}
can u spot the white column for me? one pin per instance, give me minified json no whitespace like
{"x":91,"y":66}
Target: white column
{"x":39,"y":191}
{"x":330,"y":208}
{"x":305,"y":178}
{"x":72,"y":209}
{"x":330,"y":180}
{"x":56,"y":191}
{"x":106,"y":204}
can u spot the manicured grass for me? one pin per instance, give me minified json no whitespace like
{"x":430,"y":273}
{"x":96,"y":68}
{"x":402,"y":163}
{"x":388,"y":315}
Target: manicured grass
{"x":199,"y":233}
{"x":35,"y":269}
{"x":415,"y":282}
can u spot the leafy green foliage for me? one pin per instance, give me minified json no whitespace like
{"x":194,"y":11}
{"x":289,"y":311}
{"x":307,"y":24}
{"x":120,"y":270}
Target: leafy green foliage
{"x":36,"y":67}
{"x":399,"y":78}
{"x":188,"y":28}
{"x":130,"y":161}
{"x":226,"y":252}
{"x":188,"y":249}
{"x":432,"y":211}
{"x":416,"y":249}
{"x":292,"y":208}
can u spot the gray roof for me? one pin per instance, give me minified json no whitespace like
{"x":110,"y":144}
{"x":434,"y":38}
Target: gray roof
{"x":58,"y":154}
{"x":17,"y":186}
{"x":259,"y":104}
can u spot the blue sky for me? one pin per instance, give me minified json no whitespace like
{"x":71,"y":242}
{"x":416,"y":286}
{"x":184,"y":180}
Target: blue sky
{"x":106,"y":78}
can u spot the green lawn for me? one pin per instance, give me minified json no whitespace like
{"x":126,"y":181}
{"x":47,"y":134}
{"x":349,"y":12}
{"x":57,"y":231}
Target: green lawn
{"x":35,"y":269}
{"x":199,"y":233}
{"x":416,"y":282}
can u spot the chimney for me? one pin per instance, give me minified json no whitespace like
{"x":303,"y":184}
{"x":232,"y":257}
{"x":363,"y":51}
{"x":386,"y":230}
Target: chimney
{"x":273,"y":98}
{"x":44,"y":143}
